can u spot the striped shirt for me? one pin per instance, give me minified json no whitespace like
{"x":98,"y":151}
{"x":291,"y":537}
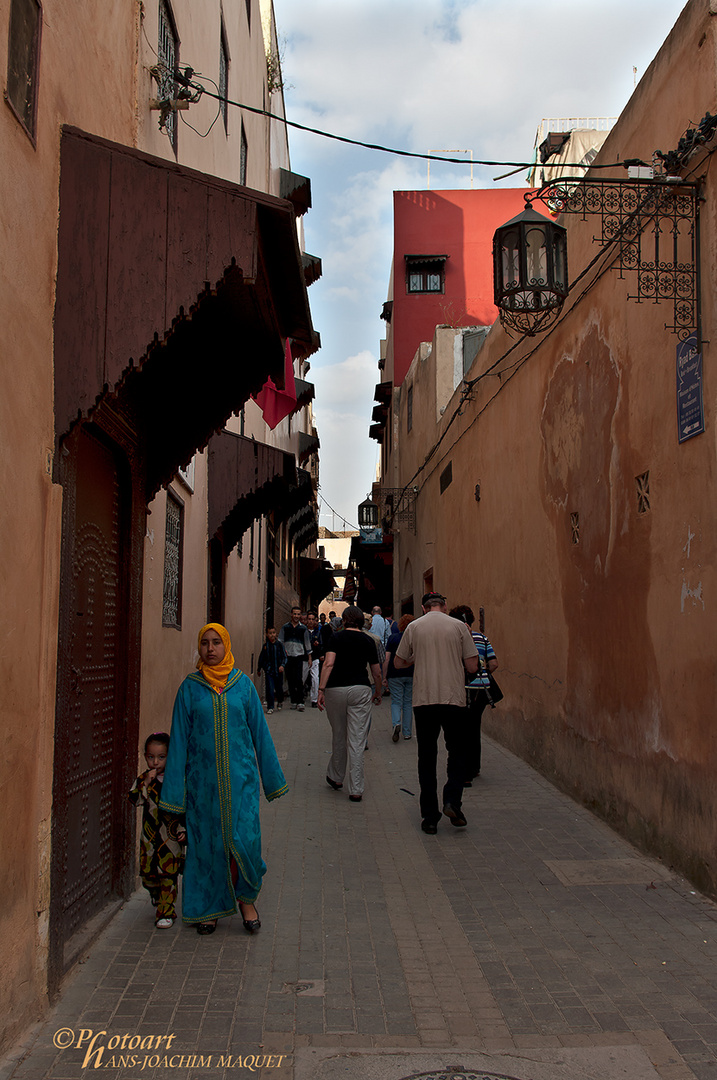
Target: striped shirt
{"x":485,"y":653}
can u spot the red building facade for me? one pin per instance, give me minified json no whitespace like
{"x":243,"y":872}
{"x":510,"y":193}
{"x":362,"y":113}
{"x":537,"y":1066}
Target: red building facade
{"x":442,"y":268}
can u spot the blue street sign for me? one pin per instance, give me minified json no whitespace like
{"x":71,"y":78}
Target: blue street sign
{"x":371,"y":536}
{"x":690,"y":405}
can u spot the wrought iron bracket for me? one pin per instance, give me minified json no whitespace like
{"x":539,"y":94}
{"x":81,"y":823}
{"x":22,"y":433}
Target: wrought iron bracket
{"x":654,"y":225}
{"x":398,"y":505}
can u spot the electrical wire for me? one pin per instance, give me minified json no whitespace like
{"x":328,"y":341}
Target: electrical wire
{"x":187,"y":80}
{"x":219,"y":113}
{"x":149,"y":43}
{"x":355,"y":528}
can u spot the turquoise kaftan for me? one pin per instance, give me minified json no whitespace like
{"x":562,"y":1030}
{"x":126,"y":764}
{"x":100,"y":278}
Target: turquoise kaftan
{"x":216,"y":742}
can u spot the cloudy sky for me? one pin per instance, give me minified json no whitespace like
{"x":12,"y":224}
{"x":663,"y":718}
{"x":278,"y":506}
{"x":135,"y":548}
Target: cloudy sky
{"x":424,"y":75}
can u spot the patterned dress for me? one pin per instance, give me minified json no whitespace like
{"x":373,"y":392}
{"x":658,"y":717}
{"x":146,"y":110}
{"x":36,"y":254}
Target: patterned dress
{"x":161,"y":855}
{"x":220,"y":746}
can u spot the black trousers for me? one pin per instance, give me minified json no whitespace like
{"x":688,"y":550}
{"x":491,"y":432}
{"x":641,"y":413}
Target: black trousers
{"x":294,"y":676}
{"x":478,"y":703}
{"x":453,"y":720}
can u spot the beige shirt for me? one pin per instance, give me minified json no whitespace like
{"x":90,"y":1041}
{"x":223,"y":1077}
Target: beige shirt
{"x":437,"y":645}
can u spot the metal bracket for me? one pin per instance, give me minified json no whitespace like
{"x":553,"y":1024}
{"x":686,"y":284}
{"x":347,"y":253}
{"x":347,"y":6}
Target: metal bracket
{"x":655,"y":225}
{"x":398,"y":505}
{"x":168,"y":105}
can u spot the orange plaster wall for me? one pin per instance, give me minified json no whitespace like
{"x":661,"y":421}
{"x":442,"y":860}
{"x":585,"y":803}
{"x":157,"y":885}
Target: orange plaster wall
{"x":94,"y":75}
{"x":606,"y":647}
{"x":77,"y":56}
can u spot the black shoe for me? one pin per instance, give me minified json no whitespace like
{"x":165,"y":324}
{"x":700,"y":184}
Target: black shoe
{"x":429,"y":827}
{"x":456,"y":816}
{"x":251,"y":925}
{"x":396,"y":733}
{"x":333,"y":784}
{"x":355,"y":798}
{"x":206,"y":927}
{"x":467,"y":783}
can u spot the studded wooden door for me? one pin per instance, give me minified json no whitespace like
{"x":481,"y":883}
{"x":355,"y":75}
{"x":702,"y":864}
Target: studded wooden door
{"x":88,"y":811}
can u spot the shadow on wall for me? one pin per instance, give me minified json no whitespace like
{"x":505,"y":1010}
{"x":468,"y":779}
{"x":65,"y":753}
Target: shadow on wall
{"x":604,"y":560}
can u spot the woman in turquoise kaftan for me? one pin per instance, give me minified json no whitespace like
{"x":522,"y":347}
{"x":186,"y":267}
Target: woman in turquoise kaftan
{"x":220,"y":745}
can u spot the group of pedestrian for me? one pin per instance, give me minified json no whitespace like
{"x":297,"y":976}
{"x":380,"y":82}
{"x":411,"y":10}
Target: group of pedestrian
{"x":295,"y":651}
{"x":200,"y":792}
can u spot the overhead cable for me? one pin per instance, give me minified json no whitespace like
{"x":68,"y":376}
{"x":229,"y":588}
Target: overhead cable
{"x":187,"y":78}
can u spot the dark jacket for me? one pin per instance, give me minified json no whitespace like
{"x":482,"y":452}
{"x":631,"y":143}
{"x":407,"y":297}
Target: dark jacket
{"x":272,"y":657}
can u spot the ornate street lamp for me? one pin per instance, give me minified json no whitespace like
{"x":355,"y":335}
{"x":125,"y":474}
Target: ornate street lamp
{"x":368,"y":514}
{"x":530,"y":271}
{"x":368,"y":520}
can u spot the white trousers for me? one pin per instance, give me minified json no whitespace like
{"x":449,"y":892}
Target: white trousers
{"x":314,"y":668}
{"x":349,"y":712}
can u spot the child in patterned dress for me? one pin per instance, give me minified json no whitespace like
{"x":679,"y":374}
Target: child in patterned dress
{"x":163,"y":835}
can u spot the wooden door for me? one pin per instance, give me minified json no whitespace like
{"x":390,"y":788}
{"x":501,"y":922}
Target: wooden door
{"x":89,"y":801}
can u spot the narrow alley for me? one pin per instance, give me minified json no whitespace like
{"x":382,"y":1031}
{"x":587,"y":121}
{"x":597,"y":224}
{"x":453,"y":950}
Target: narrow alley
{"x":535,"y":943}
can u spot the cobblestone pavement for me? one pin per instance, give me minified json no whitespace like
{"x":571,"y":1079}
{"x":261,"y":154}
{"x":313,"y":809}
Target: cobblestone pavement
{"x":534,"y":943}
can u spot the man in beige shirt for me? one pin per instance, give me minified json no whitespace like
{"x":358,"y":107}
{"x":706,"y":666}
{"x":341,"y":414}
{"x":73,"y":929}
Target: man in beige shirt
{"x":442,"y":650}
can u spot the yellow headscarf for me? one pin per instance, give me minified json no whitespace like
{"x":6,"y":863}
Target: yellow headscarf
{"x":217,"y":674}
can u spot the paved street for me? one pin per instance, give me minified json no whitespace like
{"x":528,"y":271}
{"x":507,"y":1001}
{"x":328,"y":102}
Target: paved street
{"x":535,"y":943}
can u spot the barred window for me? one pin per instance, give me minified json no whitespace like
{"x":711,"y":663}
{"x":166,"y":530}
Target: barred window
{"x":168,"y":59}
{"x":425,"y":273}
{"x":243,"y":155}
{"x":223,"y":76}
{"x":173,"y":537}
{"x":23,"y":61}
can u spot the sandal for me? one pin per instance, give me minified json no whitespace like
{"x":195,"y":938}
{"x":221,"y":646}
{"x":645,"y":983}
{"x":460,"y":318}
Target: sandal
{"x":165,"y":923}
{"x":206,"y":927}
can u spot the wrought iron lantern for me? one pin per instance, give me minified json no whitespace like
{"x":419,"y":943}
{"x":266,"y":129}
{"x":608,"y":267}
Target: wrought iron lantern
{"x":368,"y":514}
{"x":530,"y":271}
{"x":370,"y":529}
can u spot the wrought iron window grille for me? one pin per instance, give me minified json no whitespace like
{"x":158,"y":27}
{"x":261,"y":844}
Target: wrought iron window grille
{"x":397,"y":506}
{"x":654,"y":224}
{"x":173,"y":552}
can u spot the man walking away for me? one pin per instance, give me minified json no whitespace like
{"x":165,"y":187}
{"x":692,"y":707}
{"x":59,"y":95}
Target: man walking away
{"x":379,"y":626}
{"x":442,"y":650}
